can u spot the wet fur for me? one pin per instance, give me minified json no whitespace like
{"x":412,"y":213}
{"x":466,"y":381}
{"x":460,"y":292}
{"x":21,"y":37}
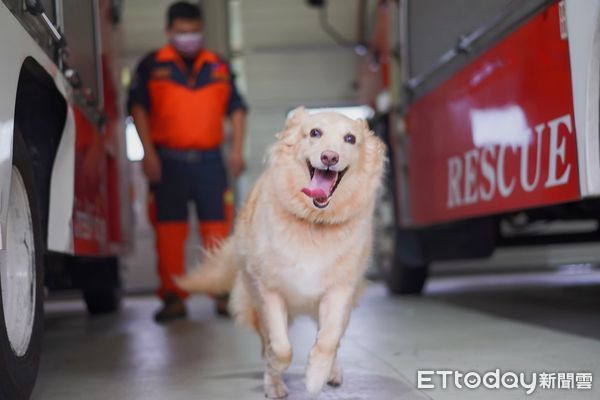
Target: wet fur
{"x":288,"y":258}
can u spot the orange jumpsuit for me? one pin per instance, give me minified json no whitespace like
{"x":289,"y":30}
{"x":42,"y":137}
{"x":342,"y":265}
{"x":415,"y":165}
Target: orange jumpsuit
{"x":187,"y":102}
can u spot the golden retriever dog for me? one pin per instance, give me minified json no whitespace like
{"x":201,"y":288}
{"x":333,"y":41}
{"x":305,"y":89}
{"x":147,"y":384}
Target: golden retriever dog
{"x":301,"y":242}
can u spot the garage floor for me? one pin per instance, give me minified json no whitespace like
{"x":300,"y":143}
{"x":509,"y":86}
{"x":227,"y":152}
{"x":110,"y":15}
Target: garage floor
{"x":521,"y":323}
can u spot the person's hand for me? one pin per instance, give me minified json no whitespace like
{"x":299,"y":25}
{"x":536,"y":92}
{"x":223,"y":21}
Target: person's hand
{"x":237,"y":164}
{"x":152,"y":167}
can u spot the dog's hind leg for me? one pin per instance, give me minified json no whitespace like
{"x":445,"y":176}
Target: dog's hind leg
{"x":260,"y":330}
{"x":278,"y":350}
{"x":334,"y":313}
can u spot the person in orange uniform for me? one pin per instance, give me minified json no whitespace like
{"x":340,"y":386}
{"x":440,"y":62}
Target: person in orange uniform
{"x":179,"y":98}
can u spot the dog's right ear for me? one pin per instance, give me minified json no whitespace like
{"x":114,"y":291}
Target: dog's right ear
{"x":291,"y":130}
{"x":296,"y":115}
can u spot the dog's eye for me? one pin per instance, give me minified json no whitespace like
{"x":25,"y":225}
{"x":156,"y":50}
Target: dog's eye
{"x":350,"y":138}
{"x":316,"y":133}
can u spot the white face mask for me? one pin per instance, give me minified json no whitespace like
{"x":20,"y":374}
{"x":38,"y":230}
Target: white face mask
{"x":188,"y":44}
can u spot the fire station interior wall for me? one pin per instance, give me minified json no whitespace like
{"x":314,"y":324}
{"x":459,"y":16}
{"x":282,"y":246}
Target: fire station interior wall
{"x":283,"y":59}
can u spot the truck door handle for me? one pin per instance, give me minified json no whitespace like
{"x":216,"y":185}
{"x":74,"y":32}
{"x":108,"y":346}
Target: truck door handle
{"x":73,"y":77}
{"x":35,"y":7}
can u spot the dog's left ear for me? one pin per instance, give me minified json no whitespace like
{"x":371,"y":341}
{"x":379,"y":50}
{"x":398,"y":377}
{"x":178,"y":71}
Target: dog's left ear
{"x":363,"y":124}
{"x":375,"y":151}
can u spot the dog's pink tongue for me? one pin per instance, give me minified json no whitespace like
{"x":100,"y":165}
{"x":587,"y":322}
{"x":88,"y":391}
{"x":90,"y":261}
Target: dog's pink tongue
{"x":315,"y":193}
{"x":320,"y":185}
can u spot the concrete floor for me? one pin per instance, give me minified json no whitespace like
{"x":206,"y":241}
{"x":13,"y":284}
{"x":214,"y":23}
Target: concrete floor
{"x":522,"y":323}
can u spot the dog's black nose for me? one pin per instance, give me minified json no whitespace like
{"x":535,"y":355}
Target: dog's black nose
{"x":329,"y":158}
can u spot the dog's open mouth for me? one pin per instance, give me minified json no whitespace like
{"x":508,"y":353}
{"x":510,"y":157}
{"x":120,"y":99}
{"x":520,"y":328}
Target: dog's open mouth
{"x":323,"y":183}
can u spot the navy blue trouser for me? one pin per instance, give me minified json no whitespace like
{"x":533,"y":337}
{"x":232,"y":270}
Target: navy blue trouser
{"x":198,"y":176}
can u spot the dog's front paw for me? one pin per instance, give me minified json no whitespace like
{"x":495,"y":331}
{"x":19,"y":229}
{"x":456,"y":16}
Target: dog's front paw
{"x":275,"y":387}
{"x":276,"y":391}
{"x":337,"y":375}
{"x":317,"y":374}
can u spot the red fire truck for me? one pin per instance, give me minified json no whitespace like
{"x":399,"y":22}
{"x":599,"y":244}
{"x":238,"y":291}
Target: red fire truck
{"x":496,"y":140}
{"x":64,"y":193}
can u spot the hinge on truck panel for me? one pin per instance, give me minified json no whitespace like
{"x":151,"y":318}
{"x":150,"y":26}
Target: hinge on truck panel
{"x":562,"y":19}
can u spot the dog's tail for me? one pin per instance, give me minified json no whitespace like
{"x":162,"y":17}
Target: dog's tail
{"x":216,"y":273}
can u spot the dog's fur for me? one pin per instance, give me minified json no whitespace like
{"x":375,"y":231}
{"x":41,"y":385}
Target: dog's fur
{"x":288,"y":257}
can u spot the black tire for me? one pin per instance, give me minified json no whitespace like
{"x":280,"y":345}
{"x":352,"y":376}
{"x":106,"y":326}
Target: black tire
{"x":18,"y":373}
{"x":409,"y":270}
{"x":102,"y":301}
{"x":99,"y":281}
{"x":407,"y":279}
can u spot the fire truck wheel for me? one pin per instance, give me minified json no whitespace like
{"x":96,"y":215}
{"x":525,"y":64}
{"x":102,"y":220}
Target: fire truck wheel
{"x":409,"y":270}
{"x":21,"y":282}
{"x":102,"y":301}
{"x":101,"y":286}
{"x":405,"y":279}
